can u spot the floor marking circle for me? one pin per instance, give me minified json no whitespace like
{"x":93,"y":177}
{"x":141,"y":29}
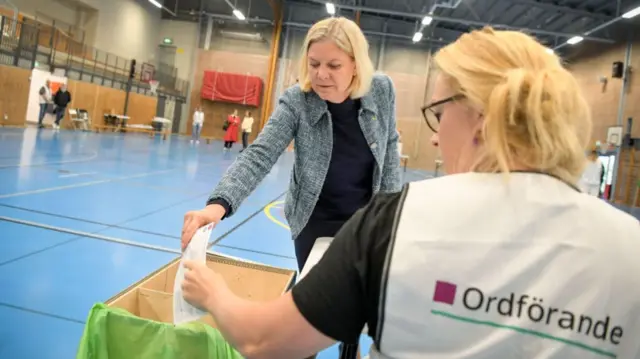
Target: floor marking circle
{"x":267,"y":211}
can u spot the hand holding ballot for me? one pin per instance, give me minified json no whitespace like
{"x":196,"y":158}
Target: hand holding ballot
{"x":193,"y":220}
{"x":193,"y":256}
{"x":200,"y":284}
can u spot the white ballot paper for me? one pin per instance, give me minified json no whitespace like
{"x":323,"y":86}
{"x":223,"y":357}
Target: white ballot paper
{"x":321,"y":246}
{"x":184,"y":312}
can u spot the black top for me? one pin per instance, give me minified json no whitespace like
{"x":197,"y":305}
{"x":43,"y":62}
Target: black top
{"x":349,"y":181}
{"x":349,"y":274}
{"x":62,"y":99}
{"x":348,"y":185}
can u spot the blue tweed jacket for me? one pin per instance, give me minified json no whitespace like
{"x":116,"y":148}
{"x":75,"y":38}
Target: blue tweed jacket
{"x":305,"y":119}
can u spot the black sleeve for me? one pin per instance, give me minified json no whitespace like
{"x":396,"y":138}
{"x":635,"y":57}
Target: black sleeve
{"x":221,"y":202}
{"x":341,"y":293}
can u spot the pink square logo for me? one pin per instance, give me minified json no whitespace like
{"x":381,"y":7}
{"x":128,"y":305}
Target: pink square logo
{"x":445,"y":292}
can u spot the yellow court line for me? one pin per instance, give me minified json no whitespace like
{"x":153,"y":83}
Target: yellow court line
{"x":267,"y":211}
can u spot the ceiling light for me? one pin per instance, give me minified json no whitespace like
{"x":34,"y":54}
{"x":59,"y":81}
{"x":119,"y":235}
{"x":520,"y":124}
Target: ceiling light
{"x":331,"y":9}
{"x":417,"y":36}
{"x":156,"y":3}
{"x":238,"y":14}
{"x":574,"y":40}
{"x":632,"y":13}
{"x":426,"y":21}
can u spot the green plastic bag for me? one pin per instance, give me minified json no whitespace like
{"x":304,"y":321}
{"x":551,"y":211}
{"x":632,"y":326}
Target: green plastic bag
{"x":113,"y":333}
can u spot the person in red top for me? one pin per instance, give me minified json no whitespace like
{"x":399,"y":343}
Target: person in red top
{"x":231,"y":137}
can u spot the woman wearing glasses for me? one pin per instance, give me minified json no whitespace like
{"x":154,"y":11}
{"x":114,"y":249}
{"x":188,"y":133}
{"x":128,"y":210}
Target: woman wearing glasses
{"x":501,"y":258}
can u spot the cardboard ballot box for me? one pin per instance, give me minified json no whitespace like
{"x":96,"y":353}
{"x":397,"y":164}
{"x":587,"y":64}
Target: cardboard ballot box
{"x":152,"y":297}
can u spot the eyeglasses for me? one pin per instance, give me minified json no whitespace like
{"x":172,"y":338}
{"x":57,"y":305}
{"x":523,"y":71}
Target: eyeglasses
{"x":432,"y":116}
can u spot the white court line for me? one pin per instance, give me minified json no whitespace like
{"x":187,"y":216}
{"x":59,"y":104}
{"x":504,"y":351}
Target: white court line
{"x":93,"y":156}
{"x":119,"y":240}
{"x":91,"y":235}
{"x":77,"y":174}
{"x":85,"y":184}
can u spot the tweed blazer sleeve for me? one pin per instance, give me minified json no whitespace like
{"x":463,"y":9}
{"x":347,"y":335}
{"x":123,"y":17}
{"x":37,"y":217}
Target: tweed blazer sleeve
{"x":256,"y":161}
{"x":391,"y":174}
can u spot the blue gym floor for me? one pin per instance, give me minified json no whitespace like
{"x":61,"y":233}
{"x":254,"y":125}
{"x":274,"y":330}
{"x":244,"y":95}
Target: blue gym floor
{"x":62,"y":193}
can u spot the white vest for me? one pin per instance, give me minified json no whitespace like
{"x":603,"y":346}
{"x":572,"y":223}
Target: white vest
{"x":198,"y":117}
{"x":591,"y":175}
{"x":530,"y":269}
{"x":247,"y":124}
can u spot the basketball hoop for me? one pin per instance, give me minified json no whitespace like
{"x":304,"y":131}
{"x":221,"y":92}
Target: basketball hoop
{"x":153,"y":85}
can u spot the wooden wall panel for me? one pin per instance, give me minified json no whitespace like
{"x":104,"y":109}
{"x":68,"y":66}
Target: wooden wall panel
{"x":14,"y":94}
{"x":603,"y":99}
{"x":142,"y":109}
{"x":410,"y":96}
{"x":216,"y":112}
{"x":99,"y":100}
{"x":588,"y":65}
{"x":83,"y":96}
{"x":108,"y":100}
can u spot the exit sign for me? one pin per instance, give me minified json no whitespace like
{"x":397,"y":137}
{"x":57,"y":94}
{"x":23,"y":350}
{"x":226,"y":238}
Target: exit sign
{"x":167,"y":41}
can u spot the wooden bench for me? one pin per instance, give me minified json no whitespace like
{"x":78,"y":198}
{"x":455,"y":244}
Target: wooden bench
{"x":98,"y":128}
{"x":163,"y":133}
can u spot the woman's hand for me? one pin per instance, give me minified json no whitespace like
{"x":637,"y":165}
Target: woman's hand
{"x":200,"y":284}
{"x":196,"y":219}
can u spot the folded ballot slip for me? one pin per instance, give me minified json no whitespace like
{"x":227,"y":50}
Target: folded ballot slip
{"x":196,"y":250}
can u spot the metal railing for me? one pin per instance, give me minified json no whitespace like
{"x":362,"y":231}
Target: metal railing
{"x":30,"y":45}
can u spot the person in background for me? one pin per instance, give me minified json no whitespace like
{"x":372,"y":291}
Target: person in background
{"x":231,"y":134}
{"x":61,"y":99}
{"x":341,"y":118}
{"x":247,"y":126}
{"x":593,"y":175}
{"x":198,"y":121}
{"x":501,"y":258}
{"x":44,"y":98}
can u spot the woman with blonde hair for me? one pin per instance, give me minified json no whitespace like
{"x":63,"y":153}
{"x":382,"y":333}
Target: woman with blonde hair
{"x":341,"y":117}
{"x":501,"y":258}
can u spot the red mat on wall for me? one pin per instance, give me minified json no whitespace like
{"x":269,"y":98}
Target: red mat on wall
{"x":234,"y":88}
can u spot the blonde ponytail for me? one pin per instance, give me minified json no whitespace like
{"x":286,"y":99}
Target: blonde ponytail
{"x":535,"y":116}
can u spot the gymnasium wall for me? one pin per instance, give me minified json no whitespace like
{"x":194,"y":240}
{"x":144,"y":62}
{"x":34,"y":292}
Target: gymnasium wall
{"x":408,"y":66}
{"x":588,"y":63}
{"x":14,"y":95}
{"x":604,"y":99}
{"x":184,"y":35}
{"x":125,"y":28}
{"x":227,"y":52}
{"x":48,"y":10}
{"x":99,"y":100}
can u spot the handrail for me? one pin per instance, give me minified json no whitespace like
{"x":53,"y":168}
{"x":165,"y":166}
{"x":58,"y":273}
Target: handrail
{"x":34,"y":42}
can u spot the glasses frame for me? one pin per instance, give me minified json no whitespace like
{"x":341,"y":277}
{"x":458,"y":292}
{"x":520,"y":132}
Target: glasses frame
{"x":430,"y":107}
